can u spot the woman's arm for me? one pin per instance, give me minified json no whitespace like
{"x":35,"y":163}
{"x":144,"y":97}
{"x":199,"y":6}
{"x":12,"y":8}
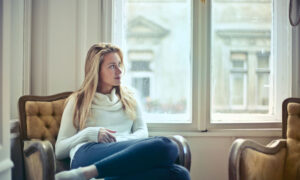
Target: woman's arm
{"x":68,"y":137}
{"x":139,"y":128}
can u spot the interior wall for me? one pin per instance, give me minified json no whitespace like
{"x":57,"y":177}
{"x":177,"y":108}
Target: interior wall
{"x":210,"y":156}
{"x":62,"y":32}
{"x":5,"y":55}
{"x":296,"y":61}
{"x":16,"y":65}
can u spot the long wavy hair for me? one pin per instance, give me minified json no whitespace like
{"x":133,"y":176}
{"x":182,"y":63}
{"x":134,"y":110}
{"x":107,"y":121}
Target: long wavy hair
{"x":85,"y":94}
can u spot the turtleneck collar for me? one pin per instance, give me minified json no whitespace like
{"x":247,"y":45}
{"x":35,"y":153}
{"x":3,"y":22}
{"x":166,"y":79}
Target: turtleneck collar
{"x":110,"y":102}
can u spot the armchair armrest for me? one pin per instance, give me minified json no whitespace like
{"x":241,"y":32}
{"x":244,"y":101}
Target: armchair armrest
{"x":39,"y":160}
{"x":250,"y":160}
{"x":184,"y":157}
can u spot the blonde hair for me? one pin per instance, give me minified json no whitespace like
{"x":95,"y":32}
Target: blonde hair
{"x":85,"y":94}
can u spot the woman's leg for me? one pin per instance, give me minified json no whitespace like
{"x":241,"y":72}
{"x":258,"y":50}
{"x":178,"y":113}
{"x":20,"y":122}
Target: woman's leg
{"x":83,"y":173}
{"x":91,"y":153}
{"x":156,"y":152}
{"x":173,"y":172}
{"x":118,"y":159}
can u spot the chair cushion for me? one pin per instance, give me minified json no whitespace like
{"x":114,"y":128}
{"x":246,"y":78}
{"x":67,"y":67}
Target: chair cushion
{"x":257,"y":165}
{"x":293,"y":142}
{"x":43,"y":119}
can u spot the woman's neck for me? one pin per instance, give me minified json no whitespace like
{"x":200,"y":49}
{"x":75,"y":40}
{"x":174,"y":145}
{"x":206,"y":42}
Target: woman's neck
{"x":104,"y":90}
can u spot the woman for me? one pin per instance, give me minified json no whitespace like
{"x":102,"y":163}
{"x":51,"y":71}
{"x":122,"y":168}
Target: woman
{"x":103,"y":132}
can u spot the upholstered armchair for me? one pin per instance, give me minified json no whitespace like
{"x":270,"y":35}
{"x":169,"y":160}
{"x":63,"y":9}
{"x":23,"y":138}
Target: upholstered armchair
{"x":40,"y":118}
{"x":279,"y":160}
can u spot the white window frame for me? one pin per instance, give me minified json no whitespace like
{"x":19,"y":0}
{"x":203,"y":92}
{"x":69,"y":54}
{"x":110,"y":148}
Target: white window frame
{"x":200,"y":90}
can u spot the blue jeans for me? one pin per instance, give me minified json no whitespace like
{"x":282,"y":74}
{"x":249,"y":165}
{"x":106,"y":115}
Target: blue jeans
{"x":149,"y":158}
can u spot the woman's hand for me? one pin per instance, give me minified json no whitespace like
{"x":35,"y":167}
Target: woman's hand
{"x":105,"y":136}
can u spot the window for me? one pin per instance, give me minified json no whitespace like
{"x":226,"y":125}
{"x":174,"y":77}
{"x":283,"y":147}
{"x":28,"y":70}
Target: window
{"x":208,"y":65}
{"x":242,"y":40}
{"x":158,"y":38}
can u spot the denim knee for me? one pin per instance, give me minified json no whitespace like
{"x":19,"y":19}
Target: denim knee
{"x":178,"y":172}
{"x":167,"y":148}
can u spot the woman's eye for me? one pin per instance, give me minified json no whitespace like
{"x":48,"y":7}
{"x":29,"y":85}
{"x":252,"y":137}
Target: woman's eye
{"x":112,"y":67}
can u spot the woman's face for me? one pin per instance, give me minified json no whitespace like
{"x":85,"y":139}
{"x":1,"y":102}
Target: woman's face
{"x":110,"y":73}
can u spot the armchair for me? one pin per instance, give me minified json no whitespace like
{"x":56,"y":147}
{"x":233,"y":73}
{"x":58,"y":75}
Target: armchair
{"x":279,"y":160}
{"x":40,"y":118}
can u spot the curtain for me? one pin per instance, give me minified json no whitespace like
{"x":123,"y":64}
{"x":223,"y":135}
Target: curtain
{"x":294,"y":12}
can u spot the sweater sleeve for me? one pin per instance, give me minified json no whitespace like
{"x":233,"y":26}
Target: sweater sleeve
{"x":68,"y":136}
{"x":139,"y":128}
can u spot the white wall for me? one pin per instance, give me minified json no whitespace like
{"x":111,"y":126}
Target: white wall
{"x":16,"y":63}
{"x":210,"y":155}
{"x":5,"y":55}
{"x":62,"y":32}
{"x":296,"y":61}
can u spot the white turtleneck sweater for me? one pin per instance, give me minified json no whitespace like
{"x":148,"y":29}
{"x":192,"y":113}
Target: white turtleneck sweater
{"x":107,"y":112}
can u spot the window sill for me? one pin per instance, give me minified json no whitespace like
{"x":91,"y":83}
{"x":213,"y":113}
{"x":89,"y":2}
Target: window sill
{"x":275,"y":132}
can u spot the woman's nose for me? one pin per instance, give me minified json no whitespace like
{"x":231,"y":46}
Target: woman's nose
{"x":119,"y":70}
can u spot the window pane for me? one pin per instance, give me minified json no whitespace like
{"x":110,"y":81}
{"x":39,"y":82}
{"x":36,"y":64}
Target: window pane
{"x":238,"y":64}
{"x":237,"y":89}
{"x":142,"y":85}
{"x":158,"y":38}
{"x":263,"y":73}
{"x":263,"y":60}
{"x":140,"y":66}
{"x":240,"y":51}
{"x":263,"y":89}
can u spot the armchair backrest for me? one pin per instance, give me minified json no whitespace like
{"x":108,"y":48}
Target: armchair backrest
{"x":40,"y":116}
{"x":285,"y":114}
{"x":280,"y":159}
{"x":291,"y":131}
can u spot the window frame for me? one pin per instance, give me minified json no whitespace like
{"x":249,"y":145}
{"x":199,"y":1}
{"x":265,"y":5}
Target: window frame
{"x":200,"y":75}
